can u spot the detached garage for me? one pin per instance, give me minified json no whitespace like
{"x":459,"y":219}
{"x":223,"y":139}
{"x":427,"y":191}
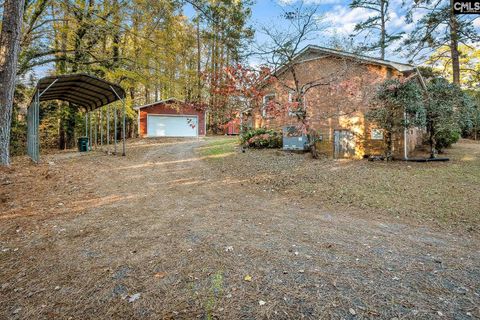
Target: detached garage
{"x":170,"y":118}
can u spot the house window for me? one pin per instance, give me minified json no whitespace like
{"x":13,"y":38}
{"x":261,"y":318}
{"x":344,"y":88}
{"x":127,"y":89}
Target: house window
{"x":266,"y":101}
{"x":376,"y":134}
{"x":292,"y":112}
{"x":290,"y":96}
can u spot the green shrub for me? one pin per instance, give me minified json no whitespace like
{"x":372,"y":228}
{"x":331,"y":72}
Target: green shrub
{"x":261,"y":138}
{"x":445,"y":139}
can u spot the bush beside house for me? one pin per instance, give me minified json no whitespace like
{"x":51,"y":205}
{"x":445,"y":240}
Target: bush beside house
{"x":261,"y":138}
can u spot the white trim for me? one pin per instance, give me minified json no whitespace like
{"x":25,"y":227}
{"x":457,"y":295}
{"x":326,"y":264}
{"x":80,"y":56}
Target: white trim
{"x":264,"y":103}
{"x":375,"y":131}
{"x":138,"y":123}
{"x":159,"y":102}
{"x":290,"y":95}
{"x":290,"y":100}
{"x":174,"y":115}
{"x":204,"y":123}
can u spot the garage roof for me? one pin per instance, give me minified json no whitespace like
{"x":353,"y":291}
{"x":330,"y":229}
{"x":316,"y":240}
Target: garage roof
{"x":81,"y":89}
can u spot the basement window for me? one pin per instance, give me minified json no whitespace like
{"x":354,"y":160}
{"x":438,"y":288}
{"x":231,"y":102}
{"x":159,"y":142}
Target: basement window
{"x":376,"y":134}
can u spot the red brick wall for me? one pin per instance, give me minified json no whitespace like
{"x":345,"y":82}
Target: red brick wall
{"x":350,"y":91}
{"x":171,"y":108}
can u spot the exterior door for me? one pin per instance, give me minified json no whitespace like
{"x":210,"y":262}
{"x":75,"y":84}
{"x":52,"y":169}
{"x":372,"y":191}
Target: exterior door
{"x":344,"y":144}
{"x":172,"y":126}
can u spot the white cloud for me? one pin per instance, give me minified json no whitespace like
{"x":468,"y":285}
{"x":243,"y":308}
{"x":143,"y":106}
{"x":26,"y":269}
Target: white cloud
{"x":476,"y":23}
{"x":342,"y":20}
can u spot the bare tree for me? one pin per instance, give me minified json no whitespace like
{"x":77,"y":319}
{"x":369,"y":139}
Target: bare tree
{"x":281,"y":53}
{"x":10,"y":38}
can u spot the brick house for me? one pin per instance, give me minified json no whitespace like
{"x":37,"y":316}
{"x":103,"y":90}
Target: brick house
{"x":341,"y":86}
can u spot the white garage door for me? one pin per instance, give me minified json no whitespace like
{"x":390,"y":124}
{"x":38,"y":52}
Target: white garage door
{"x":172,"y":126}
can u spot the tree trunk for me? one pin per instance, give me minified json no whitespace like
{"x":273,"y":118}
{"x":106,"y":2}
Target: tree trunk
{"x":9,"y":49}
{"x":199,"y":57}
{"x":432,"y":141}
{"x":388,"y":145}
{"x":383,"y":31}
{"x":454,"y":46}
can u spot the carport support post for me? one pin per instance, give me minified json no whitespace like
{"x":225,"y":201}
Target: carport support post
{"x":86,"y":127}
{"x":115,"y":129}
{"x":123,"y":129}
{"x":96,"y":130}
{"x":91,"y":131}
{"x":108,"y":129}
{"x":35,"y":118}
{"x":101,"y":127}
{"x":123,"y":124}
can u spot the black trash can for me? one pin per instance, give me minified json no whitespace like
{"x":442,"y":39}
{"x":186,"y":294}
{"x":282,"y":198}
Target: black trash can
{"x":82,"y":144}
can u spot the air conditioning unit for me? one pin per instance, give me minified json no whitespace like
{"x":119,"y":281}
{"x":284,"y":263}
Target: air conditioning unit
{"x":293,"y":139}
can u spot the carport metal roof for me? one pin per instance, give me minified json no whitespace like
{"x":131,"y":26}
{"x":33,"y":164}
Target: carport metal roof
{"x":81,"y":89}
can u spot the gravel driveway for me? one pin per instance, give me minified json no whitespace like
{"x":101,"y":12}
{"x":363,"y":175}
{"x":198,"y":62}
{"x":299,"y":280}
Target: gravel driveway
{"x":164,"y":233}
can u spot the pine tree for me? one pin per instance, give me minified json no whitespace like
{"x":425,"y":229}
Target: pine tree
{"x":439,"y":27}
{"x":376,"y":24}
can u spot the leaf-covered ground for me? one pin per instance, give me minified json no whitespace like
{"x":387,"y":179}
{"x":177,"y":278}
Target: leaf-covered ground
{"x":183,"y":229}
{"x":445,"y":193}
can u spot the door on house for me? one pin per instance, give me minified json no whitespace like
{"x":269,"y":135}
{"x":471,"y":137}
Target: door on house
{"x":344,"y":144}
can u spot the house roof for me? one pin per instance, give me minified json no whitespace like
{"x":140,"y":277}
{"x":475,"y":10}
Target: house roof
{"x":81,"y":89}
{"x":169,"y":100}
{"x":402,"y":67}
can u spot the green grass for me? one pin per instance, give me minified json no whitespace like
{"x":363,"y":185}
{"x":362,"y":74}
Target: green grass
{"x":216,"y":289}
{"x":219,"y":148}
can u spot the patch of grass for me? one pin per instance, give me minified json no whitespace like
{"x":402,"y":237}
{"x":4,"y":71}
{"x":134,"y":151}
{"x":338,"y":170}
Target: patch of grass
{"x":446,"y":193}
{"x":218,"y":148}
{"x":216,"y":289}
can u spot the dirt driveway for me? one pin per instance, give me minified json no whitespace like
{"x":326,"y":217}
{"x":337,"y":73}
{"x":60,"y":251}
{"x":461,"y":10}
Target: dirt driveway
{"x":164,"y":233}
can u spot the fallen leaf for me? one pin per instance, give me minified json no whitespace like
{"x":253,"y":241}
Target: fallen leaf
{"x":160,"y":275}
{"x":248,"y":278}
{"x":134,"y":297}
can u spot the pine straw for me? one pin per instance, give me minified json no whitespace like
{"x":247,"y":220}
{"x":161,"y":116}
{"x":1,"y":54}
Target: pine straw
{"x":90,"y":229}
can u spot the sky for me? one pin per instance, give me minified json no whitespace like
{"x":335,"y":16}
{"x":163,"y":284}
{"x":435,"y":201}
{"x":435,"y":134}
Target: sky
{"x":337,"y":18}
